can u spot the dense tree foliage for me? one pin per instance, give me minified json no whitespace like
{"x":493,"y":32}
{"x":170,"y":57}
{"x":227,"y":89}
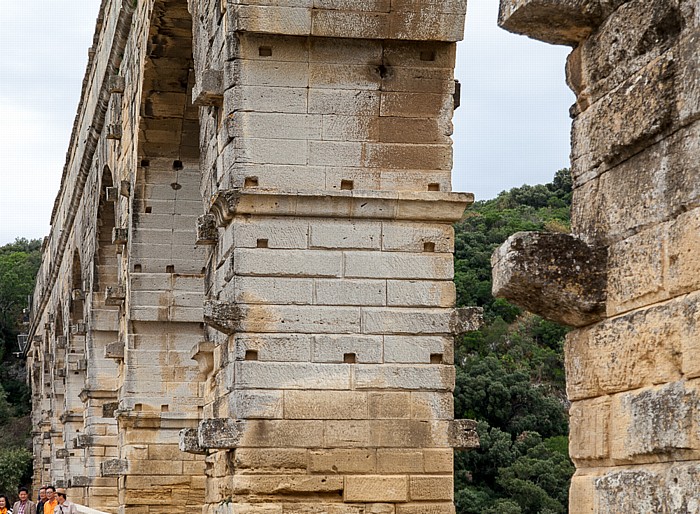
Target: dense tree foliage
{"x":19,"y":263}
{"x":510,"y":373}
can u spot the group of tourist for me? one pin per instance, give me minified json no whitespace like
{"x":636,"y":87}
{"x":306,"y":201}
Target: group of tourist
{"x":52,"y":500}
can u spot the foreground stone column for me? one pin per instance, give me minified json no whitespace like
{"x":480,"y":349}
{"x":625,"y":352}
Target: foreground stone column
{"x":329,"y":283}
{"x":633,"y":366}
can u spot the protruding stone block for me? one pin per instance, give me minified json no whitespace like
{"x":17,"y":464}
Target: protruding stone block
{"x":560,"y":22}
{"x":462,"y":434}
{"x":77,"y":295}
{"x":79,"y":481}
{"x":81,"y":441}
{"x":115,"y":467}
{"x":61,"y":454}
{"x":115,"y":84}
{"x":120,"y":236}
{"x":209,"y":89}
{"x":115,"y":295}
{"x":114,"y":131}
{"x":111,"y":194}
{"x":189,"y":442}
{"x":115,"y":350}
{"x":125,"y":188}
{"x":78,"y":329}
{"x":61,"y":342}
{"x":207,"y":231}
{"x":222,"y":316}
{"x":219,"y":434}
{"x":466,"y":319}
{"x":203,"y":353}
{"x":557,"y":276}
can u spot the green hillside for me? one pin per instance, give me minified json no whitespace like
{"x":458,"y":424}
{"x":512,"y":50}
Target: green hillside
{"x":19,"y":263}
{"x":510,"y":373}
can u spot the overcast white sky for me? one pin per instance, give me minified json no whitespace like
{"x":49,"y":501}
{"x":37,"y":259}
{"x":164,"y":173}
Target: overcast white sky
{"x":511,"y":129}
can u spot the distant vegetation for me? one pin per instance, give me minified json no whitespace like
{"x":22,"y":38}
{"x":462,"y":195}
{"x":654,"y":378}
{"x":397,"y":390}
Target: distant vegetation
{"x":19,"y":263}
{"x":510,"y":373}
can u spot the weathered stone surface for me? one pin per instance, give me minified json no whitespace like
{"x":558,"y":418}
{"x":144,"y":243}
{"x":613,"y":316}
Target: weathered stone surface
{"x":115,"y":467}
{"x":554,"y":275}
{"x":264,"y":252}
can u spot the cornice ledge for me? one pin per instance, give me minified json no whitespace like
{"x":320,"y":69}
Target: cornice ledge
{"x":432,"y":206}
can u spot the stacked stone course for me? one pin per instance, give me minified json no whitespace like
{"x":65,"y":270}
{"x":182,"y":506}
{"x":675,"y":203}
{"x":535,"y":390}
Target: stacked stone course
{"x":627,"y":279}
{"x":251,"y":261}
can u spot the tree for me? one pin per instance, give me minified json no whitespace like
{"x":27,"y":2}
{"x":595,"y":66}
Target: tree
{"x":15,"y":466}
{"x":510,"y":374}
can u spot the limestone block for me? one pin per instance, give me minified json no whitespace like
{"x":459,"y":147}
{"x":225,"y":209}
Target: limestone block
{"x":639,"y":349}
{"x":462,"y":434}
{"x":432,"y":405}
{"x":273,"y":347}
{"x":281,"y":375}
{"x":189,"y":442}
{"x":111,"y":194}
{"x":637,"y":491}
{"x":252,"y":404}
{"x":114,"y":351}
{"x":317,"y":263}
{"x":286,"y":484}
{"x":120,"y":236}
{"x":267,"y":99}
{"x":431,"y":488}
{"x":554,"y":275}
{"x":376,"y":488}
{"x":648,"y":188}
{"x":280,"y":233}
{"x":407,"y":377}
{"x":635,"y":271}
{"x":389,"y":405}
{"x":282,"y":434}
{"x":410,"y":293}
{"x":589,"y":429}
{"x":115,"y":84}
{"x":222,"y":316}
{"x":275,"y":125}
{"x":609,"y":139}
{"x":114,"y":467}
{"x":339,"y":234}
{"x":425,"y":508}
{"x":115,"y":295}
{"x":420,"y":321}
{"x":654,"y":421}
{"x":350,"y":292}
{"x":220,"y":433}
{"x":325,"y":405}
{"x":271,"y":290}
{"x":418,"y":350}
{"x":345,"y":461}
{"x":558,"y":22}
{"x":263,"y":460}
{"x":412,"y":237}
{"x":398,"y":266}
{"x":207,"y":232}
{"x":343,"y":102}
{"x":208,"y":89}
{"x":270,"y":19}
{"x":340,"y":348}
{"x":683,"y":271}
{"x":114,"y":131}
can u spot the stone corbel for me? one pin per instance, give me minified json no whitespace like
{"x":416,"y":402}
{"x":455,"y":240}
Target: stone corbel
{"x":203,"y":353}
{"x":115,"y":295}
{"x":462,"y":434}
{"x":114,"y":468}
{"x":560,"y":22}
{"x":222,"y":316}
{"x":219,"y":433}
{"x":207,"y":231}
{"x":189,"y":442}
{"x":556,"y":276}
{"x":115,"y":351}
{"x":209,"y":89}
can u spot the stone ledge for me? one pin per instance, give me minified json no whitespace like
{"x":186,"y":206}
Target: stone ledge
{"x":560,"y":22}
{"x":556,"y":276}
{"x":413,"y":206}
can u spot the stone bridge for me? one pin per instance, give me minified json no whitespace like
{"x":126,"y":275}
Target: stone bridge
{"x":246,"y":299}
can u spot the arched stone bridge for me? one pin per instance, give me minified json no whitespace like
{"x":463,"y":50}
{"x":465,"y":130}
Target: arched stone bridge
{"x":246,"y":298}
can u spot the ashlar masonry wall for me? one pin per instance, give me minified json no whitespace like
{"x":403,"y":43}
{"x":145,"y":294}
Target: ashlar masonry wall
{"x":627,"y":278}
{"x":246,"y":299}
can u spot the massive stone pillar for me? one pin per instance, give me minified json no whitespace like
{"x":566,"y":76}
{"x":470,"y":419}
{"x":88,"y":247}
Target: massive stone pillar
{"x":627,"y":278}
{"x":325,"y":131}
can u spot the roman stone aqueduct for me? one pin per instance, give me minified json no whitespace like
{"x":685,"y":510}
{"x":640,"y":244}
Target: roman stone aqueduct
{"x":246,"y":303}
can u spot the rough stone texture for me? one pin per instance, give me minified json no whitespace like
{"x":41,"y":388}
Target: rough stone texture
{"x":246,"y":300}
{"x":632,"y":370}
{"x":554,"y":275}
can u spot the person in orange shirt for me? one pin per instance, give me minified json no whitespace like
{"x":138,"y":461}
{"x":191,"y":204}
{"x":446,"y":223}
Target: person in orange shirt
{"x":51,"y":500}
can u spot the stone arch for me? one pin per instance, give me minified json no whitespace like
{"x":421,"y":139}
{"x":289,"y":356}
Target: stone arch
{"x":77,"y":292}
